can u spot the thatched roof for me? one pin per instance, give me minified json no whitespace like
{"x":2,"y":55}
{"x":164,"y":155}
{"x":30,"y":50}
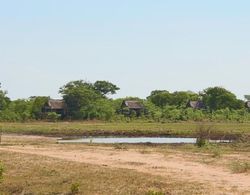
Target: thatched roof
{"x":132,"y":104}
{"x":196,"y":104}
{"x":56,"y":104}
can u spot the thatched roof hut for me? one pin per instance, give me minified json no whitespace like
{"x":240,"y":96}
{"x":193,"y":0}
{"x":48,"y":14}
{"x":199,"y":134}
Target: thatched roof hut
{"x":55,"y":105}
{"x":132,"y":104}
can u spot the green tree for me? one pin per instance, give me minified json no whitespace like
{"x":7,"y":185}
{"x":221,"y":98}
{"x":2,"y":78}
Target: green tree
{"x":38,"y":103}
{"x":79,"y":97}
{"x":105,"y":87}
{"x":152,"y":111}
{"x":160,"y":98}
{"x":164,"y":98}
{"x":216,"y":98}
{"x":1,"y":171}
{"x":181,"y":98}
{"x":4,"y":100}
{"x":53,"y":117}
{"x":22,"y":108}
{"x":105,"y":109}
{"x":171,"y":113}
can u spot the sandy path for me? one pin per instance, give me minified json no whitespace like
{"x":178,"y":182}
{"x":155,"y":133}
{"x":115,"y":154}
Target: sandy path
{"x":172,"y":166}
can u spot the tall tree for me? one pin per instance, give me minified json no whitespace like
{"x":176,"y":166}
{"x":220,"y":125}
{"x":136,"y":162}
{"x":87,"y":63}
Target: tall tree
{"x":163,"y":98}
{"x":219,"y":98}
{"x":105,"y":87}
{"x":21,"y":107}
{"x":181,"y":98}
{"x":79,"y":97}
{"x":38,"y":103}
{"x":160,"y":98}
{"x":4,"y":100}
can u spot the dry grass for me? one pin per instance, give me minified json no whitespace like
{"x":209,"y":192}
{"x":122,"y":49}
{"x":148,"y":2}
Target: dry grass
{"x":31,"y":174}
{"x":240,"y":166}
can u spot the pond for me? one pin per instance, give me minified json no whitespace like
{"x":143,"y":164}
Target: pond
{"x":135,"y":140}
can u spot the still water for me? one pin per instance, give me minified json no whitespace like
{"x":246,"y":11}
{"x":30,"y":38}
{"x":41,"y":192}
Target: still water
{"x":134,"y":140}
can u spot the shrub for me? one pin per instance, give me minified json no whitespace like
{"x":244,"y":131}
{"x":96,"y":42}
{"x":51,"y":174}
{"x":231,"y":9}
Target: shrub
{"x":1,"y":172}
{"x":201,"y":142}
{"x":171,"y":113}
{"x":53,"y":117}
{"x":216,"y":151}
{"x":10,"y":116}
{"x":152,"y":192}
{"x":240,"y":167}
{"x":120,"y":147}
{"x":75,"y":188}
{"x":203,"y":135}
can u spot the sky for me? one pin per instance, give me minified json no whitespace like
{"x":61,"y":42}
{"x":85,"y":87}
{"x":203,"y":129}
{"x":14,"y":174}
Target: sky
{"x":139,"y":45}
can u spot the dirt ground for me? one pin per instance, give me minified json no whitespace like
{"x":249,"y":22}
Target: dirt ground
{"x":186,"y":166}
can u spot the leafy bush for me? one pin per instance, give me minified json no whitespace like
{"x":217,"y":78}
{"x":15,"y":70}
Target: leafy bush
{"x":240,"y":167}
{"x":216,"y":151}
{"x":1,"y":172}
{"x":75,"y":188}
{"x":53,"y":117}
{"x":201,"y":142}
{"x":203,"y":135}
{"x":171,"y":113}
{"x":152,"y":192}
{"x":10,"y":116}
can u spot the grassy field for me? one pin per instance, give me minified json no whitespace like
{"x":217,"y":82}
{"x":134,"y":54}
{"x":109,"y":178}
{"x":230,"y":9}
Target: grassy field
{"x":183,"y":129}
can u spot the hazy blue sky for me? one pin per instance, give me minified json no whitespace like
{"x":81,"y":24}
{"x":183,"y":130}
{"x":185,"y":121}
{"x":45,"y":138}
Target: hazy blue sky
{"x":140,"y":45}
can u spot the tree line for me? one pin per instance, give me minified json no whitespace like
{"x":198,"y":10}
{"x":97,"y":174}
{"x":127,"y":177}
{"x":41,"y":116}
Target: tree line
{"x":89,"y":101}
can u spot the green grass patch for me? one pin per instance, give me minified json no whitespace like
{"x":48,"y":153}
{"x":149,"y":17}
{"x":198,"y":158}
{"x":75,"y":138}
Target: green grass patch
{"x":182,"y":129}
